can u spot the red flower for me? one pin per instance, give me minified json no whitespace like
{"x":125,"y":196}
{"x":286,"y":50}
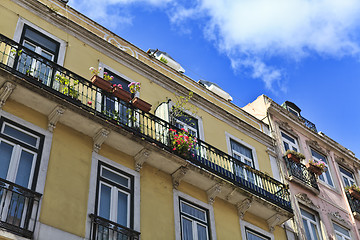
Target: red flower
{"x":89,"y":102}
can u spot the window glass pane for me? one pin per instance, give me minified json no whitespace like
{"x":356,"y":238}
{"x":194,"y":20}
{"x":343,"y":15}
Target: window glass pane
{"x":24,"y":170}
{"x":105,"y":198}
{"x":341,"y":230}
{"x":196,"y":213}
{"x":247,"y":152}
{"x":314,"y":231}
{"x":253,"y":236}
{"x":347,"y":173}
{"x":202,"y":232}
{"x":286,"y":146}
{"x":318,"y":156}
{"x":115,"y":177}
{"x":21,"y":136}
{"x":307,"y":214}
{"x":41,"y":40}
{"x":307,"y":230}
{"x":29,"y":46}
{"x":328,"y":177}
{"x":47,"y":55}
{"x":122,"y":211}
{"x":5,"y":157}
{"x":118,"y":80}
{"x":287,"y":137}
{"x":187,"y":231}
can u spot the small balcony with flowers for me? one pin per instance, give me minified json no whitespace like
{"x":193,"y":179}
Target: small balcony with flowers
{"x":42,"y":80}
{"x":353,"y":195}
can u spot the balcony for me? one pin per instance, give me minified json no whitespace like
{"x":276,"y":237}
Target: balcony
{"x":43,"y":73}
{"x":302,"y":174}
{"x":308,"y":124}
{"x":18,"y":209}
{"x":102,"y":229}
{"x":354,"y":205}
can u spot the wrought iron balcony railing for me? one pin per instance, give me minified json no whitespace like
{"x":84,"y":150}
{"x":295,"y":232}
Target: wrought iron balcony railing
{"x":77,"y":90}
{"x":300,"y":171}
{"x":354,"y":203}
{"x":308,"y":124}
{"x":18,"y":208}
{"x":103,"y":229}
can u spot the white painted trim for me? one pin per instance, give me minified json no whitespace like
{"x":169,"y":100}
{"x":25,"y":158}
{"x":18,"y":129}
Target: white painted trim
{"x":244,"y":224}
{"x":274,"y":168}
{"x":229,"y":136}
{"x":207,"y":206}
{"x":44,"y":161}
{"x":19,"y":29}
{"x":47,"y":232}
{"x":92,"y":190}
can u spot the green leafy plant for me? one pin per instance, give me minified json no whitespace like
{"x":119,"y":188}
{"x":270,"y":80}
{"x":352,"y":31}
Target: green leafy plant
{"x":296,"y":154}
{"x":353,"y":187}
{"x":67,"y":87}
{"x":18,"y":52}
{"x":181,"y":141}
{"x":162,"y":59}
{"x":134,"y":87}
{"x":181,"y":105}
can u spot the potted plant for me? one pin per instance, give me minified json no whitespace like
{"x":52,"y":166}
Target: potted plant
{"x":67,"y":86}
{"x":354,"y":191}
{"x":120,"y":93}
{"x":103,"y":83}
{"x":182,"y":142}
{"x":317,"y":167}
{"x":294,"y":156}
{"x":137,"y":102}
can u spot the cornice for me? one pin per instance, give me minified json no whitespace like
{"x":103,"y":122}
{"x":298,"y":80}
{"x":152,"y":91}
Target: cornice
{"x":148,"y":72}
{"x":276,"y":109}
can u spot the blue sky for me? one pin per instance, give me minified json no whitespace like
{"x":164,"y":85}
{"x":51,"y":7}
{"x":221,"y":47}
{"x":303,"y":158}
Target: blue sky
{"x":303,"y":51}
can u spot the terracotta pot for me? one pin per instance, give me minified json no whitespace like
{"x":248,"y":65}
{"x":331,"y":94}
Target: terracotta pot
{"x":354,"y":194}
{"x":314,"y":169}
{"x":293,"y":158}
{"x":101,"y":83}
{"x":121,"y":94}
{"x":141,"y":104}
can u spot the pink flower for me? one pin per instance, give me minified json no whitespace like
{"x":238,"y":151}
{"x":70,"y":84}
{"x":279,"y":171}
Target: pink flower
{"x":119,"y":86}
{"x":114,"y":85}
{"x":174,"y":148}
{"x":89,"y":102}
{"x":105,"y":73}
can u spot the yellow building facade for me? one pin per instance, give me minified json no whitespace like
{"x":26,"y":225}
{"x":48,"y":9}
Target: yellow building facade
{"x":79,"y":162}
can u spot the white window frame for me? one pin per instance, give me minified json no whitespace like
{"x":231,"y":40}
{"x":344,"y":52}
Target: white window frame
{"x":44,"y":161}
{"x":343,"y":236}
{"x":19,"y":30}
{"x":327,"y":164}
{"x":309,"y":221}
{"x":291,"y":110}
{"x":346,"y":176}
{"x":246,"y":225}
{"x":96,"y":158}
{"x":253,"y":150}
{"x":191,"y":200}
{"x":291,"y":145}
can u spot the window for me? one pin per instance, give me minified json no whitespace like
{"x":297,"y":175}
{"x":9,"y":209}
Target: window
{"x":253,"y":235}
{"x":113,"y":106}
{"x":347,"y":176}
{"x":290,"y":143}
{"x":20,"y":154}
{"x":244,"y":155}
{"x":189,"y":123}
{"x":341,"y":233}
{"x":293,"y":111}
{"x":42,"y":45}
{"x":311,"y":224}
{"x":325,"y":177}
{"x":115,"y":196}
{"x":194,"y":222}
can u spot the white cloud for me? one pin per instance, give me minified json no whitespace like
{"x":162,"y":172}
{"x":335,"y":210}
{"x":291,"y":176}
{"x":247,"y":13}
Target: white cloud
{"x":251,"y":32}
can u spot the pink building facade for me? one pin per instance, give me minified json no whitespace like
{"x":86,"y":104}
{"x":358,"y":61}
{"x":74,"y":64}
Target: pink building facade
{"x":323,"y":209}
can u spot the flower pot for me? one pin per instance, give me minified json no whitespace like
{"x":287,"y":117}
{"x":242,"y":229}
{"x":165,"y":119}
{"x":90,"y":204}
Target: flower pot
{"x":121,"y":94}
{"x":101,"y":83}
{"x":293,"y":158}
{"x":354,"y":193}
{"x":141,"y":104}
{"x":314,"y":169}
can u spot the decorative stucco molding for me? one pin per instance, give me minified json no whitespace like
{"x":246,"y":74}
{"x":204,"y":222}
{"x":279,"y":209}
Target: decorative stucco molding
{"x":306,"y":200}
{"x":54,"y":117}
{"x":273,"y":221}
{"x":5,"y":92}
{"x":336,"y":216}
{"x":213,"y":192}
{"x":140,"y":158}
{"x":243,"y":206}
{"x":178,"y":175}
{"x":286,"y":127}
{"x":99,"y":138}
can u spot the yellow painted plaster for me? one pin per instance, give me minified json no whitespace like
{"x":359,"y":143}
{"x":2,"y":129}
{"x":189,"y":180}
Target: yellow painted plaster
{"x":117,"y":156}
{"x":66,"y":192}
{"x":157,"y":210}
{"x":226,"y":220}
